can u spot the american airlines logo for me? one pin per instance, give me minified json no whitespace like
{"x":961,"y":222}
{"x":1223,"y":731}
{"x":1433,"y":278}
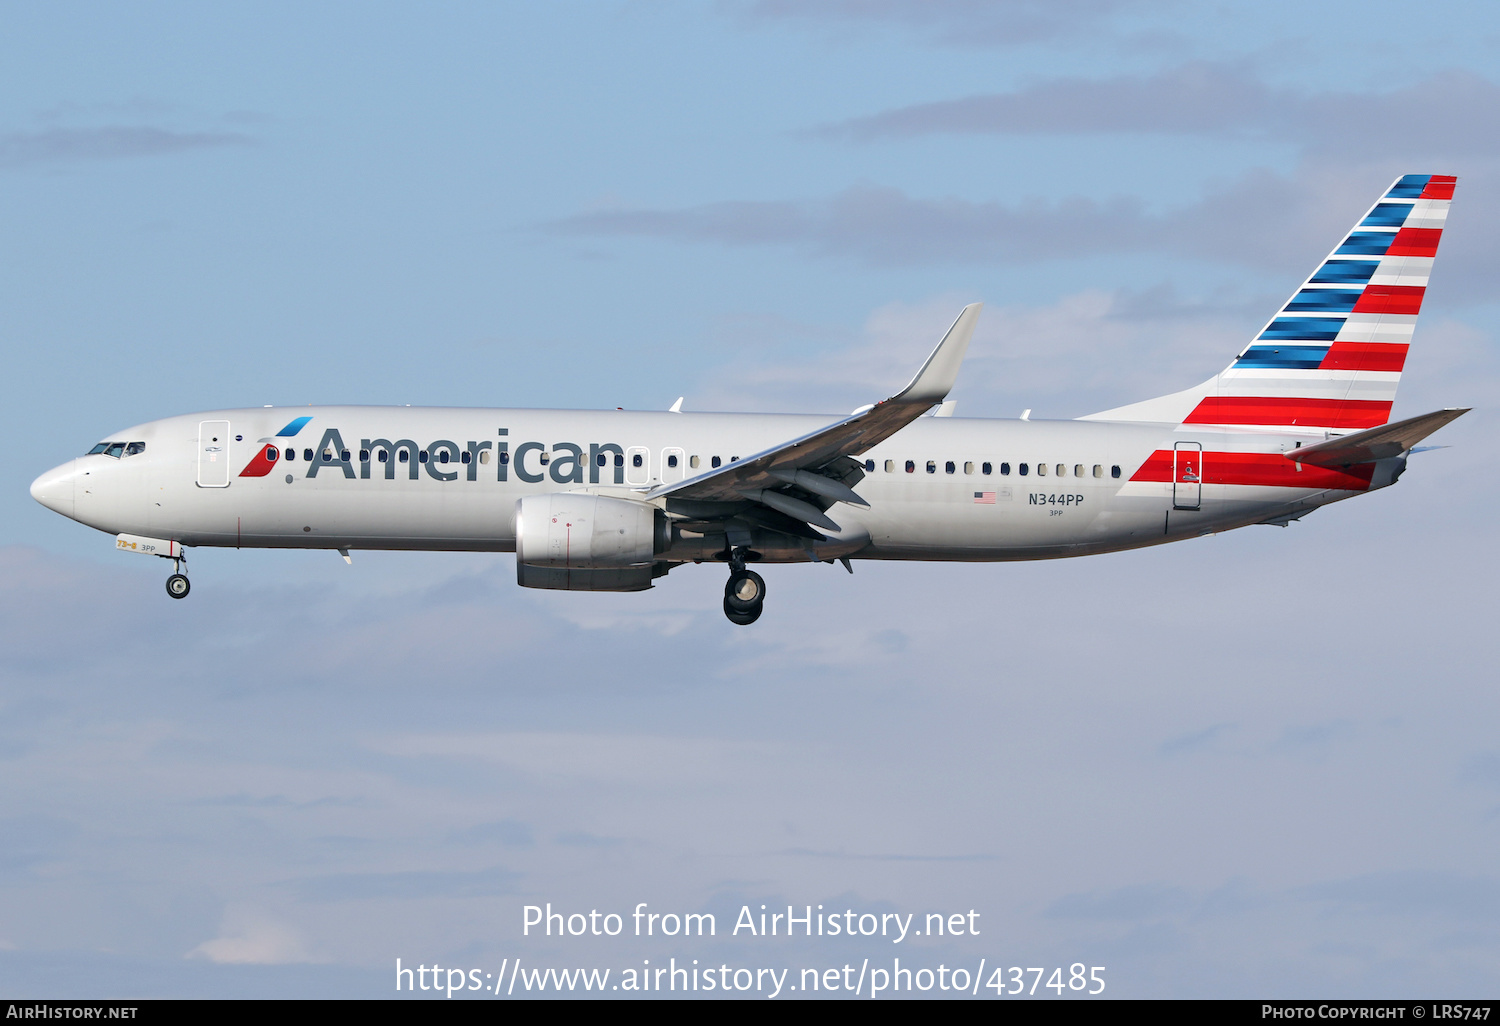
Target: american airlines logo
{"x":442,"y":459}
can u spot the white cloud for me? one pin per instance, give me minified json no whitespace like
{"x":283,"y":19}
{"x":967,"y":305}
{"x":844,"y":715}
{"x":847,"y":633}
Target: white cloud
{"x":251,"y":936}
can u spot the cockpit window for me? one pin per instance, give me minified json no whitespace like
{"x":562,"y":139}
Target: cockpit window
{"x":115,"y":449}
{"x":135,"y":448}
{"x":96,"y":450}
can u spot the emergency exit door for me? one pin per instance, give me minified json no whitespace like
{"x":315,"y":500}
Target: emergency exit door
{"x":213,"y":454}
{"x":1187,"y":475}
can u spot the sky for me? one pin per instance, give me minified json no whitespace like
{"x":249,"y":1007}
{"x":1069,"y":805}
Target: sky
{"x":1258,"y":764}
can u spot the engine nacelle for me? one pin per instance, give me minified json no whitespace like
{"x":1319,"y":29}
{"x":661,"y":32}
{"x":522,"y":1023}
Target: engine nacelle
{"x":572,"y":541}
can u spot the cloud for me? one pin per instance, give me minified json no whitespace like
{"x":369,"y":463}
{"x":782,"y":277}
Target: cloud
{"x":1264,"y":220}
{"x":409,"y":884}
{"x":956,"y":22}
{"x":1083,"y":352}
{"x":604,"y":759}
{"x":1416,"y":893}
{"x":251,"y":937}
{"x":1196,"y":741}
{"x":1437,"y":115}
{"x":73,"y":145}
{"x":1133,"y":903}
{"x":1261,"y":219}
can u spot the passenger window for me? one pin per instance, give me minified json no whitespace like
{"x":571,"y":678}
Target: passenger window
{"x":869,"y":466}
{"x":911,"y":466}
{"x":968,"y":468}
{"x":890,"y":466}
{"x":636,"y":460}
{"x":504,"y":457}
{"x":307,"y":455}
{"x":733,"y":459}
{"x":96,"y":450}
{"x":546,"y":458}
{"x":1041,"y":470}
{"x":344,"y":455}
{"x":1062,"y":470}
{"x":291,"y":455}
{"x":1098,"y":470}
{"x":619,"y":459}
{"x":603,"y":459}
{"x":1022,"y":469}
{"x":135,"y":448}
{"x":364,"y":455}
{"x":464,"y":457}
{"x":1078,"y":470}
{"x":383,"y":455}
{"x":932,"y":466}
{"x":484,"y":457}
{"x":443,"y":456}
{"x":694,"y":461}
{"x":988,"y":468}
{"x":948,"y":467}
{"x":715,"y":462}
{"x":271,"y":453}
{"x":672,"y":461}
{"x":1005,"y":469}
{"x":327,"y":455}
{"x":1114,"y":471}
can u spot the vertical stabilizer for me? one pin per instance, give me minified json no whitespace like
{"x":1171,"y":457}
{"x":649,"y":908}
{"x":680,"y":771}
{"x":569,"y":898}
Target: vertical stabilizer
{"x":1332,"y":357}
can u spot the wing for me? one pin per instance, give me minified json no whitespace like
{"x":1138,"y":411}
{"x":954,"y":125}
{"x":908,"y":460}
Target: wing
{"x":1375,"y":444}
{"x":787,"y":479}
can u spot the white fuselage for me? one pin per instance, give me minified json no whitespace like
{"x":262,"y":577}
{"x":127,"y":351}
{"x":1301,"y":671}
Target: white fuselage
{"x":940,"y":489}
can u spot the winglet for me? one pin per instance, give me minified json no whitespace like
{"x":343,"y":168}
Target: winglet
{"x":935,"y":379}
{"x":677,"y":406}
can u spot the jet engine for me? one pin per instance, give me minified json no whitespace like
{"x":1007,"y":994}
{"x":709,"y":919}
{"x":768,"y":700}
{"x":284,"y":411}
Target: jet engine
{"x":572,"y":541}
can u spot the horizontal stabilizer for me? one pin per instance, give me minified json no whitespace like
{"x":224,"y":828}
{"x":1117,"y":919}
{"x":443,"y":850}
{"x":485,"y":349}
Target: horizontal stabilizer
{"x":1375,"y":444}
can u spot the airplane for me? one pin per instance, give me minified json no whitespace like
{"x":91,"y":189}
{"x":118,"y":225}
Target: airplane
{"x":613,"y":500}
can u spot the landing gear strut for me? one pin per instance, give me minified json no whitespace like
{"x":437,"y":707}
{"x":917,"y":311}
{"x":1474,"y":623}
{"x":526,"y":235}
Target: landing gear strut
{"x":177,"y":585}
{"x":745,"y":593}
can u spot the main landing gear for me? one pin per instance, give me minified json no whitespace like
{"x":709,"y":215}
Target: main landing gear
{"x":177,"y":585}
{"x":745,"y":592}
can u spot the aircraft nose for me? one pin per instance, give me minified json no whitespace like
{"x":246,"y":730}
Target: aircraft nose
{"x":54,"y":489}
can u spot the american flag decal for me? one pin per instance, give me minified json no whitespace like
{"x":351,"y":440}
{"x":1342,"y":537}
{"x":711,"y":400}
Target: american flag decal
{"x":985,"y":498}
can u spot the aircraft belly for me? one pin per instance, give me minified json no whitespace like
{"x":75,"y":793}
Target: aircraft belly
{"x":392,"y":514}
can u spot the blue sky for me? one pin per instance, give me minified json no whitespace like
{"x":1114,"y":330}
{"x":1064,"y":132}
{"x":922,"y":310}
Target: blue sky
{"x":1256,"y":764}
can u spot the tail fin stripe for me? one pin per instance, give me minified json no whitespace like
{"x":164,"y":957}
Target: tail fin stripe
{"x":1418,"y":242}
{"x":1410,"y":186}
{"x":1338,"y":301}
{"x":1391,"y":299}
{"x":1282,"y":357}
{"x":1311,"y":329}
{"x":1387,"y":215}
{"x":1440,"y":188}
{"x":1403,"y":271}
{"x":1318,"y":413}
{"x":1366,"y":244}
{"x":1344,"y":272}
{"x":1365,"y":356}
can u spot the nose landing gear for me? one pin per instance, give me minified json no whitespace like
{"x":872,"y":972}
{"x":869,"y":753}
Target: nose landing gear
{"x":177,"y":585}
{"x":745,"y":592}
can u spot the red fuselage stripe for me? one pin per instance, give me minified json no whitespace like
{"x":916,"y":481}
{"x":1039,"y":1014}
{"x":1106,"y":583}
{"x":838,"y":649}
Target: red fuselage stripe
{"x":1262,"y":469}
